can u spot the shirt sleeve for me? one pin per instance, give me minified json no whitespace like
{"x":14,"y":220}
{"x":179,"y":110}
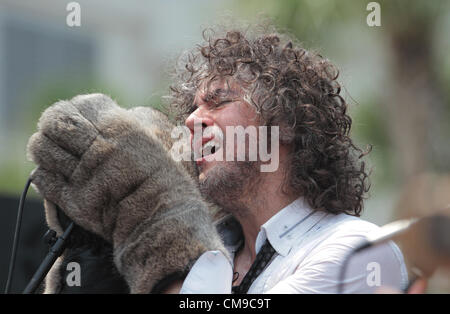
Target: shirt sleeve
{"x":212,"y":273}
{"x":319,"y":273}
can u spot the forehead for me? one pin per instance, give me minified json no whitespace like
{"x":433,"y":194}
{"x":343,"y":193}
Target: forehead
{"x":213,"y":89}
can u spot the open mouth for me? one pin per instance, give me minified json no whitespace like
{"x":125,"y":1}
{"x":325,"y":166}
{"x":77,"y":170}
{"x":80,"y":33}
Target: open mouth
{"x":208,"y":146}
{"x":209,"y":149}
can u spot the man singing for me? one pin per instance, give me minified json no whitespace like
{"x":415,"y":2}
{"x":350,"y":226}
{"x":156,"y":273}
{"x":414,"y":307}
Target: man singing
{"x":295,"y":222}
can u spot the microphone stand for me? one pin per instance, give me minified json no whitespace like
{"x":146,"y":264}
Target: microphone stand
{"x":55,"y":251}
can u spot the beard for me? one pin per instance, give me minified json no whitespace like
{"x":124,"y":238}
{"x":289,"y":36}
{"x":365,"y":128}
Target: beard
{"x":230,"y":184}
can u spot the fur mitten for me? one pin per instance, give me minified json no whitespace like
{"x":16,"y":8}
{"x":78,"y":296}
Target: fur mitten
{"x":94,"y":256}
{"x":111,"y":174}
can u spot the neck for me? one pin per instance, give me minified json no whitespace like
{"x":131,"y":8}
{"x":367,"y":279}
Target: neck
{"x":258,"y":207}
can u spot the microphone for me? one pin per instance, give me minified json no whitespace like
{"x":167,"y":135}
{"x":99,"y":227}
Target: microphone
{"x":54,"y":252}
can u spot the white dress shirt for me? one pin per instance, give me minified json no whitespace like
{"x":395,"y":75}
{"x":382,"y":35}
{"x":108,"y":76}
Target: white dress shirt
{"x":310,"y":248}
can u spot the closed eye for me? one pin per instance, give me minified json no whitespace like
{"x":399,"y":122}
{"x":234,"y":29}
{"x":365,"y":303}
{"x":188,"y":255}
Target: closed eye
{"x":223,"y":102}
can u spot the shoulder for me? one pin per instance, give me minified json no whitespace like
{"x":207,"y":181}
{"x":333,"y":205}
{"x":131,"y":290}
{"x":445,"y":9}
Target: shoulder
{"x":330,"y":247}
{"x":343,"y":228}
{"x":341,"y":233}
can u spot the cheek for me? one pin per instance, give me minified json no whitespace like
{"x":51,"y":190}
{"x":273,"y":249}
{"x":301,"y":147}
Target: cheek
{"x":232,"y":116}
{"x":237,"y":115}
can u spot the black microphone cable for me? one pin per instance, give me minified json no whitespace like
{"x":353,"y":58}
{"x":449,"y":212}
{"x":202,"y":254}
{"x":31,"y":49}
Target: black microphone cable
{"x":55,"y":250}
{"x":12,"y":261}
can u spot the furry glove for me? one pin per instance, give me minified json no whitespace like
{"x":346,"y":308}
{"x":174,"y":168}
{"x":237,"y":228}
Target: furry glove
{"x":109,"y":170}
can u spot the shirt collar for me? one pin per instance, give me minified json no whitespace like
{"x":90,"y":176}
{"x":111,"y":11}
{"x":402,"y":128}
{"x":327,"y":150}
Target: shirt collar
{"x":286,"y":226}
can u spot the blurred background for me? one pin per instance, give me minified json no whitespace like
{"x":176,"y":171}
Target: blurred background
{"x":396,"y":78}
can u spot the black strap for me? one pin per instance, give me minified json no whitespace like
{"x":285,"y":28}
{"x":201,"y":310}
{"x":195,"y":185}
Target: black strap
{"x":262,"y":259}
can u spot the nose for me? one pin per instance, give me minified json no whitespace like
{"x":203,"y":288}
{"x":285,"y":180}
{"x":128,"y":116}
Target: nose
{"x":198,"y":120}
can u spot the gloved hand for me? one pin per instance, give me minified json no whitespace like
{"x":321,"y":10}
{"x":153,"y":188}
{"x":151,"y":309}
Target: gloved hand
{"x":93,"y":254}
{"x":111,"y":174}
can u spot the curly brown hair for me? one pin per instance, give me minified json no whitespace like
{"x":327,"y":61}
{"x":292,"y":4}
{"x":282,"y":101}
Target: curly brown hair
{"x":295,"y":89}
